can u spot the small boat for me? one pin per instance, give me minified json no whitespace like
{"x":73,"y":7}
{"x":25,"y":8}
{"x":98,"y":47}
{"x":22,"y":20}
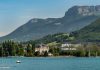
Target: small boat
{"x":18,"y":61}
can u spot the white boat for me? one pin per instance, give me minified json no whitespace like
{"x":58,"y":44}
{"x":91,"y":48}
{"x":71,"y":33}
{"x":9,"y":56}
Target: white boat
{"x":18,"y":61}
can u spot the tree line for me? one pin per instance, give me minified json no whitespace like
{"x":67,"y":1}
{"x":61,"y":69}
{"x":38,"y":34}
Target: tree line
{"x":11,"y":48}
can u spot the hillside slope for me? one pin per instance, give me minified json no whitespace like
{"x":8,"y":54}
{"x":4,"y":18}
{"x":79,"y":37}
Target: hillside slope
{"x":75,"y":18}
{"x":90,"y":32}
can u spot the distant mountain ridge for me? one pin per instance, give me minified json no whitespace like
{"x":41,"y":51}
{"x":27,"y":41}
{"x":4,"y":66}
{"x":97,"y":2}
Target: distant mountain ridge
{"x":75,"y":18}
{"x":83,"y":10}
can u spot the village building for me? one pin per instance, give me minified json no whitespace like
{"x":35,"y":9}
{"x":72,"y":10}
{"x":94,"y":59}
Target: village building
{"x":41,"y":48}
{"x":70,"y":46}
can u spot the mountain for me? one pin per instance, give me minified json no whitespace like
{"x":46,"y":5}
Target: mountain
{"x":74,"y":19}
{"x":90,"y":32}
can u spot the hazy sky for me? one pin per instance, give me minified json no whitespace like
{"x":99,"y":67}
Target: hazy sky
{"x":14,"y":13}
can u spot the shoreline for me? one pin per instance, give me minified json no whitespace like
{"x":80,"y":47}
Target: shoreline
{"x":48,"y":57}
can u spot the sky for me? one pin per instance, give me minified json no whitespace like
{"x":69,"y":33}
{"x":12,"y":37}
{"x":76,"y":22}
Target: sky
{"x":14,"y":13}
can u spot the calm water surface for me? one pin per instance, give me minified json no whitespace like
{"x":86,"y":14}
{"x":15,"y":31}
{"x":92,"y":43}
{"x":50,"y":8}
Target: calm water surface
{"x":61,"y":63}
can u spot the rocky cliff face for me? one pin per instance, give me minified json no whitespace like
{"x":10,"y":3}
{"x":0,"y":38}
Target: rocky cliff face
{"x":83,"y":10}
{"x":75,"y":18}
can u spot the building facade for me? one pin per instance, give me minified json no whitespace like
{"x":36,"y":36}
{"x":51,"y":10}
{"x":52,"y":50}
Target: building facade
{"x":69,"y":46}
{"x":41,"y":49}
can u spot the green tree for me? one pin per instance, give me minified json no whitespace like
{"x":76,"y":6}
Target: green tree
{"x":29,"y":50}
{"x":45,"y":54}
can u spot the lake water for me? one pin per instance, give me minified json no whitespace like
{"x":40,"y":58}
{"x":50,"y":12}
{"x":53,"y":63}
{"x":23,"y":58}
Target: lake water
{"x":50,"y":63}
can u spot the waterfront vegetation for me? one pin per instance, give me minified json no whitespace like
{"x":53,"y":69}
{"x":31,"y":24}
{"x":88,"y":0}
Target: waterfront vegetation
{"x":27,"y":49}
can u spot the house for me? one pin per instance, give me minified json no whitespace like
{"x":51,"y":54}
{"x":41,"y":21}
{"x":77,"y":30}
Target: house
{"x":41,"y":48}
{"x":70,"y":46}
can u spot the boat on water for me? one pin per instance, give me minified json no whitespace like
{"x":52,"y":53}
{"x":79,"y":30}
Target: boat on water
{"x":18,"y":61}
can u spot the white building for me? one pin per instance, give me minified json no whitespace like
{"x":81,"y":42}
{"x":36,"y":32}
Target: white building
{"x":69,"y":46}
